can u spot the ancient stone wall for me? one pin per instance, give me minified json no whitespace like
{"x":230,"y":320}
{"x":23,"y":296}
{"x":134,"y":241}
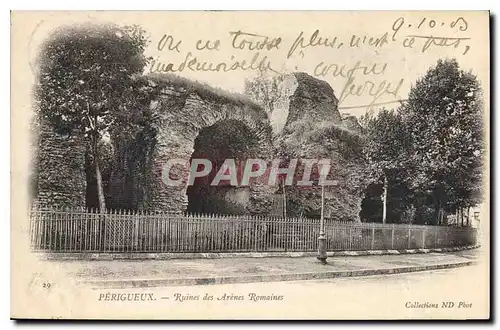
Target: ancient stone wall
{"x":315,"y":129}
{"x":301,"y":97}
{"x":180,"y":114}
{"x":61,"y":168}
{"x":312,"y":100}
{"x":309,"y":126}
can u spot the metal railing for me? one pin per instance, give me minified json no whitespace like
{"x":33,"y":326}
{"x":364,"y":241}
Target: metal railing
{"x":80,"y":230}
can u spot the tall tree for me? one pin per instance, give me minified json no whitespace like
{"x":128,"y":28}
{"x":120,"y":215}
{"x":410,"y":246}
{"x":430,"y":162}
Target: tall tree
{"x":87,"y":80}
{"x":386,"y":149}
{"x":444,"y":118}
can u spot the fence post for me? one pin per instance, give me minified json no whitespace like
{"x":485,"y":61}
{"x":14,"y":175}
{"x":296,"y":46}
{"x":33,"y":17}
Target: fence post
{"x":350,"y":237}
{"x":52,"y":220}
{"x":135,"y":237}
{"x":104,"y":238}
{"x":423,"y":237}
{"x":256,"y":229}
{"x":373,"y":237}
{"x":409,"y":236}
{"x":392,"y":237}
{"x":334,"y":228}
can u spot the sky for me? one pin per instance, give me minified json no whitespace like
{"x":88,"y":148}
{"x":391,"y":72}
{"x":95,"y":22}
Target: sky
{"x":374,"y":56}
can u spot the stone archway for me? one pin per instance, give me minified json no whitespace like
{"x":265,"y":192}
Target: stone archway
{"x":181,"y":116}
{"x":225,"y":140}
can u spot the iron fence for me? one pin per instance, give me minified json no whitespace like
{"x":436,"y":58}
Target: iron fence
{"x":80,"y":230}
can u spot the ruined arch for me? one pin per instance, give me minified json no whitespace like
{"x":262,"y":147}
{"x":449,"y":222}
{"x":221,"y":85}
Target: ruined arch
{"x":225,"y":140}
{"x":180,"y":117}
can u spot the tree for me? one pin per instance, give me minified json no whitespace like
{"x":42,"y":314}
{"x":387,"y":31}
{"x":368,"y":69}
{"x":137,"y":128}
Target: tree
{"x":443,"y":116}
{"x":88,"y":82}
{"x":385,"y":148}
{"x":264,"y":90}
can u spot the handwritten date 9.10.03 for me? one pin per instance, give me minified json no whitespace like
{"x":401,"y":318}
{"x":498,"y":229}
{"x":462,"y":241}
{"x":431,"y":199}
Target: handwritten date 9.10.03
{"x":433,"y":32}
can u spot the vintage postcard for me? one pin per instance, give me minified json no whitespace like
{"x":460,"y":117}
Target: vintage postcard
{"x":250,"y":165}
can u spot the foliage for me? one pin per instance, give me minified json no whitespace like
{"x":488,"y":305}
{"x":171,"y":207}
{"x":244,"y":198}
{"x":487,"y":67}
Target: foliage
{"x":204,"y":90}
{"x":371,"y":205}
{"x":88,"y":82}
{"x":387,"y":142}
{"x":264,"y":90}
{"x":386,"y":149}
{"x":431,"y":149}
{"x":444,"y":121}
{"x":86,"y":76}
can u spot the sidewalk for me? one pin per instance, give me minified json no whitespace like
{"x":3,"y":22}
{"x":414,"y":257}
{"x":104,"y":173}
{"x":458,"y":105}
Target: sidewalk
{"x":147,"y":273}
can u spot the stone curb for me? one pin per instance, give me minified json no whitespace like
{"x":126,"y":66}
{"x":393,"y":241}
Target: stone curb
{"x":141,"y":283}
{"x":187,"y":255}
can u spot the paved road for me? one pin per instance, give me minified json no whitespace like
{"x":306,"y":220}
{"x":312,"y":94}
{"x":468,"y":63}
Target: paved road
{"x":389,"y":296}
{"x":179,"y":268}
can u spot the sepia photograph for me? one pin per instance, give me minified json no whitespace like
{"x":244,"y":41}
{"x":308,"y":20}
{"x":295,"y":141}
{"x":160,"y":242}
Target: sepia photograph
{"x":294,"y":165}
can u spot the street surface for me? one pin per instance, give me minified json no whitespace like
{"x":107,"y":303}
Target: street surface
{"x":403,"y":296}
{"x":185,"y":268}
{"x":391,"y":296}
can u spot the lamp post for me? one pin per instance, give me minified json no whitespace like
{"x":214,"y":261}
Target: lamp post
{"x":322,"y":239}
